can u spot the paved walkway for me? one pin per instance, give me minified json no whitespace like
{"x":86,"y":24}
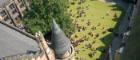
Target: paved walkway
{"x":122,"y":26}
{"x":124,"y":23}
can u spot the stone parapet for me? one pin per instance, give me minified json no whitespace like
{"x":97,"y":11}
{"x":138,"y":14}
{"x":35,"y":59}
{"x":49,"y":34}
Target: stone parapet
{"x":71,"y":56}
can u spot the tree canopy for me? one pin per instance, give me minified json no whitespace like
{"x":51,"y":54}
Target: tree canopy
{"x":39,"y":18}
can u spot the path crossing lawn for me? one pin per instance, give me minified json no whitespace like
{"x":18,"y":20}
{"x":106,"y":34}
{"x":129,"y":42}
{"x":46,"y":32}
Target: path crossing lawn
{"x":92,"y":20}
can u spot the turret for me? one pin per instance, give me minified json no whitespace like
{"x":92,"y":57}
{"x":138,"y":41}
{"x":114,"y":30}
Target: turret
{"x":60,"y":43}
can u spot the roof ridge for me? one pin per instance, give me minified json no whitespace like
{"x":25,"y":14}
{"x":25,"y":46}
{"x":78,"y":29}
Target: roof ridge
{"x":18,"y":30}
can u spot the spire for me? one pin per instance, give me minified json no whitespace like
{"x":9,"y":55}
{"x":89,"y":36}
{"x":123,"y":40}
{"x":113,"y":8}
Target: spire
{"x":60,"y":43}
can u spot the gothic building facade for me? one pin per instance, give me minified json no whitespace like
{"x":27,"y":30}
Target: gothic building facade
{"x":16,"y":44}
{"x":11,"y":11}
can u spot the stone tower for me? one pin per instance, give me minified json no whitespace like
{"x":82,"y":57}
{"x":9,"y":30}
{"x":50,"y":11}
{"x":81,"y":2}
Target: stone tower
{"x":61,"y":44}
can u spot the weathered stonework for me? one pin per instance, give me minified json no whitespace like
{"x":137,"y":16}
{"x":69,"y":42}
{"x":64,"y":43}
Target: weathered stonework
{"x":11,"y":11}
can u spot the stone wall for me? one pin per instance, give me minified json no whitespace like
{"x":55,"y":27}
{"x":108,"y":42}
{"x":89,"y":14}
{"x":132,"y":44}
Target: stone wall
{"x":136,"y":7}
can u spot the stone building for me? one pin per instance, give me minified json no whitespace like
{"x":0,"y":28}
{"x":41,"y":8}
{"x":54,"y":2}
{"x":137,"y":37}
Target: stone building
{"x":12,"y":10}
{"x":19,"y":45}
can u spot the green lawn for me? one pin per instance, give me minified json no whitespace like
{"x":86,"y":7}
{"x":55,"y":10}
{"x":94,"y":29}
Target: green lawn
{"x":97,"y":18}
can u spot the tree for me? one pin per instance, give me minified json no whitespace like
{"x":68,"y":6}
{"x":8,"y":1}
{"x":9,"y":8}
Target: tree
{"x":42,"y":13}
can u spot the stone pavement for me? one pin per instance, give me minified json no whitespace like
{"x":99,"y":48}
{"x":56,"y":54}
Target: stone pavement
{"x":124,"y":23}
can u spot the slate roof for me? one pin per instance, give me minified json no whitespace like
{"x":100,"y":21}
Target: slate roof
{"x":13,"y":42}
{"x":60,"y":42}
{"x":4,"y":2}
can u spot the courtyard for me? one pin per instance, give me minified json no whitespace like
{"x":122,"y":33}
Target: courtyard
{"x":94,"y":22}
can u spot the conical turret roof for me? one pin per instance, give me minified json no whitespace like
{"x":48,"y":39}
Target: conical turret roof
{"x":60,"y":42}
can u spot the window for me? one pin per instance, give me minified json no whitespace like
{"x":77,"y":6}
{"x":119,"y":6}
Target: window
{"x":11,"y":22}
{"x":14,"y":11}
{"x":11,"y":6}
{"x":17,"y":18}
{"x":6,"y":18}
{"x":2,"y":13}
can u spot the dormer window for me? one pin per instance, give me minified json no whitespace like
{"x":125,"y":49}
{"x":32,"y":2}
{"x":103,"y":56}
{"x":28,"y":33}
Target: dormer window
{"x":6,"y":18}
{"x":2,"y":13}
{"x":14,"y":11}
{"x":11,"y":6}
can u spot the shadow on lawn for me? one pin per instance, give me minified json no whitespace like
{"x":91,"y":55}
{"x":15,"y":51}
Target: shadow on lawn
{"x":107,"y":40}
{"x":117,"y":8}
